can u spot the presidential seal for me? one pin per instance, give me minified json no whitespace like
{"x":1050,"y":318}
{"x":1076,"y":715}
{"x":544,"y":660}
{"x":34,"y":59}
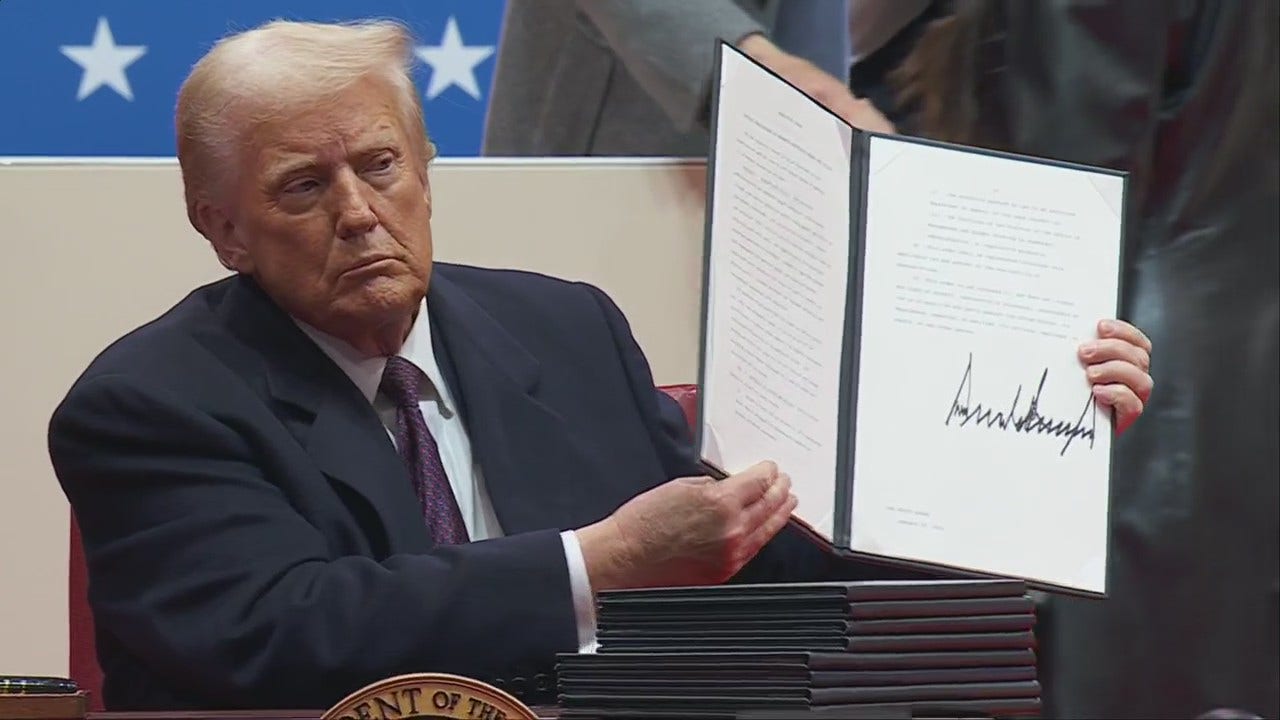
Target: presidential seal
{"x":428,"y":696}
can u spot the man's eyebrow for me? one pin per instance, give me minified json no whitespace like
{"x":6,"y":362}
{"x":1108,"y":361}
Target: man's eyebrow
{"x":376,"y":143}
{"x":281,"y":165}
{"x":286,"y":165}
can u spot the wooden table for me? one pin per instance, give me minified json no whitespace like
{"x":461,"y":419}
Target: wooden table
{"x":547,"y":713}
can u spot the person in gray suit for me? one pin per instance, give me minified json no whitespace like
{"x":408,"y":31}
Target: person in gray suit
{"x":632,"y":77}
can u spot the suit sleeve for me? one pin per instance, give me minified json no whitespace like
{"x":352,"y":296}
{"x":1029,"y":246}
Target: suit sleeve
{"x":668,"y":46}
{"x":203,"y":569}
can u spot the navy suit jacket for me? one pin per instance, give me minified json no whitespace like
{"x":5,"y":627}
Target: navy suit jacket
{"x":253,"y":539}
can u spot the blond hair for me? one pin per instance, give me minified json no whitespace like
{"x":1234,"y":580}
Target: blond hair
{"x":274,"y":70}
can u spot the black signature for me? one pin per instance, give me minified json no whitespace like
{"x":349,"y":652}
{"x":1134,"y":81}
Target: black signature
{"x":1029,"y":422}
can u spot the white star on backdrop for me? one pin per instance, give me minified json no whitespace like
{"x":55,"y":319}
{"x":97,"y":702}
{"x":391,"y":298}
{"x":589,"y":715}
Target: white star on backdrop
{"x":104,"y":62}
{"x":453,"y":63}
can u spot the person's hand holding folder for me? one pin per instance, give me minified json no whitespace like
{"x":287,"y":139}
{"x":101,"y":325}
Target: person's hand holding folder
{"x":689,"y":531}
{"x":833,"y":93}
{"x":1118,"y":365}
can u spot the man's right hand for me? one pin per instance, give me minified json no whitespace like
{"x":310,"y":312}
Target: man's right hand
{"x":833,"y":93}
{"x":689,"y":531}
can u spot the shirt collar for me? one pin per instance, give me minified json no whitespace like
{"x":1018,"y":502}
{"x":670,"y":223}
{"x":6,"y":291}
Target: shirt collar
{"x":366,"y":372}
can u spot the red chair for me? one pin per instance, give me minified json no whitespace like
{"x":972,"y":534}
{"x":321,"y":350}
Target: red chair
{"x":687,"y":396}
{"x":84,"y":668}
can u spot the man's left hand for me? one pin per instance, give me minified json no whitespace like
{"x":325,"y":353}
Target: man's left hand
{"x":1118,"y":366}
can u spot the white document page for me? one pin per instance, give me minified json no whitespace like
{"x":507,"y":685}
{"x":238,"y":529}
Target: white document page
{"x":977,"y":442}
{"x":776,"y":294}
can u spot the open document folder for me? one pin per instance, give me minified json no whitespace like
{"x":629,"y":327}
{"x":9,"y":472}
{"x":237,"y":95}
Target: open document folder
{"x":895,"y":322}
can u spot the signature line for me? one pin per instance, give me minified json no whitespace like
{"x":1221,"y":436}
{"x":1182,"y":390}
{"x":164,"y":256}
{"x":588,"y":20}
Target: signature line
{"x":1030,"y":422}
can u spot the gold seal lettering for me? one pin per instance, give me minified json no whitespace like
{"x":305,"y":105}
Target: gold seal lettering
{"x":429,"y":696}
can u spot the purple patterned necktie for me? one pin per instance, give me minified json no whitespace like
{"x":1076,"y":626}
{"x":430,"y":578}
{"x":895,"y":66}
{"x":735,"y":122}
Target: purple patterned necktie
{"x":401,"y":383}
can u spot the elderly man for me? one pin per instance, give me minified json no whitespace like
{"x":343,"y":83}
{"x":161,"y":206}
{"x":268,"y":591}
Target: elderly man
{"x":345,"y":462}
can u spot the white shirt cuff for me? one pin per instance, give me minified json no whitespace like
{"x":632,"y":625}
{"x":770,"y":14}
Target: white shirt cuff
{"x":584,"y":603}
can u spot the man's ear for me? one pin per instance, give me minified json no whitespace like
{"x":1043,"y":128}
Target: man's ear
{"x":216,"y":225}
{"x":426,"y":189}
{"x":428,"y":154}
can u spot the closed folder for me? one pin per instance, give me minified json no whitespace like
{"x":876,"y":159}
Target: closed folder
{"x":709,"y":681}
{"x":994,"y":707}
{"x":795,"y":628}
{"x":798,"y":697}
{"x":867,"y":643}
{"x":733,"y":662}
{"x":988,"y":708}
{"x":818,"y":591}
{"x":701,"y":614}
{"x":847,"y":712}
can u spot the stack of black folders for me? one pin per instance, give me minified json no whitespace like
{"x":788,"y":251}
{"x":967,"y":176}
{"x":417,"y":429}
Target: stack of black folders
{"x":870,"y":649}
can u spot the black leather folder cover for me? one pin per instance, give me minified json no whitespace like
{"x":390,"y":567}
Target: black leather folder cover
{"x":710,"y":661}
{"x":847,"y":591}
{"x":878,"y":711}
{"x":788,"y":697}
{"x":709,"y":681}
{"x":838,"y":628}
{"x":857,"y":644}
{"x":939,"y":709}
{"x":610,"y":615}
{"x":718,"y":625}
{"x":805,"y":697}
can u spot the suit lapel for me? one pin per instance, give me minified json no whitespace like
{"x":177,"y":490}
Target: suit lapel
{"x":524,"y":449}
{"x":327,"y":413}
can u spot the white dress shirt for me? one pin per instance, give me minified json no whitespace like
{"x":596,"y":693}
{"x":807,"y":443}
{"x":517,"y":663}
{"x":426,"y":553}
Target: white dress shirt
{"x":440,"y":411}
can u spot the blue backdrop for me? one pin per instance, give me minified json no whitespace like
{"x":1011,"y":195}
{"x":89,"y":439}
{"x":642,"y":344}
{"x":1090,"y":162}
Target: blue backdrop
{"x":100,"y":77}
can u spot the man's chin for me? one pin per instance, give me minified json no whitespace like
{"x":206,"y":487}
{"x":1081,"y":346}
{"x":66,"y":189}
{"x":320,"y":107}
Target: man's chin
{"x":382,"y":299}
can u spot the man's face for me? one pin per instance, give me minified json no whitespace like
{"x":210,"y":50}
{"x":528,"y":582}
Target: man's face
{"x":331,"y":213}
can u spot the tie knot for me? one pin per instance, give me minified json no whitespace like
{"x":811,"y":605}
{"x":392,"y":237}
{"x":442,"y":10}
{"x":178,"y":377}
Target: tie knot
{"x":402,"y":382}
